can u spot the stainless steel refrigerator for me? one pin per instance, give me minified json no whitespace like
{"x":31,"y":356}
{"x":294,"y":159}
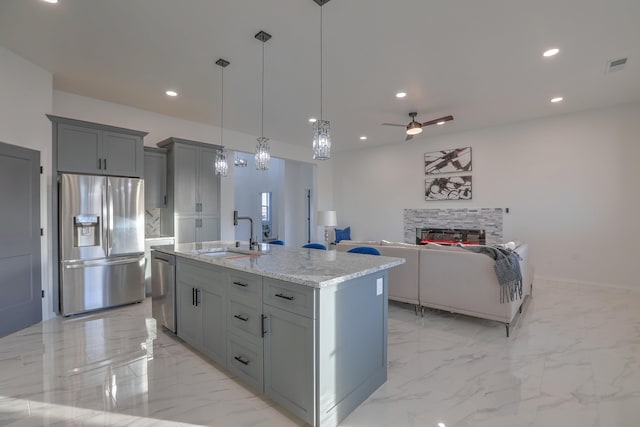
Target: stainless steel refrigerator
{"x":101,"y":229}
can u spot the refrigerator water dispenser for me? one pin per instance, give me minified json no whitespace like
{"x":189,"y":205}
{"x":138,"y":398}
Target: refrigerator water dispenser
{"x":86,"y":230}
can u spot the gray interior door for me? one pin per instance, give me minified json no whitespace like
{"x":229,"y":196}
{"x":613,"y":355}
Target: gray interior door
{"x":20,"y":284}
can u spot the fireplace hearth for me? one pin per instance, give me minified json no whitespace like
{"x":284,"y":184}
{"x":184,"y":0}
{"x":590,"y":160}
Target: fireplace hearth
{"x":450,"y":236}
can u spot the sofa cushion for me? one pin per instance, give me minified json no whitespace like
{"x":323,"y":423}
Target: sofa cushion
{"x":343,"y":234}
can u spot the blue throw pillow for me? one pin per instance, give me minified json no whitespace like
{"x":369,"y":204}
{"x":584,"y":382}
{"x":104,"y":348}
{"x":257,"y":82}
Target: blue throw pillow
{"x":344,"y":234}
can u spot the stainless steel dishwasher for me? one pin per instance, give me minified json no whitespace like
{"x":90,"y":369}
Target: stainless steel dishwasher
{"x":163,"y":289}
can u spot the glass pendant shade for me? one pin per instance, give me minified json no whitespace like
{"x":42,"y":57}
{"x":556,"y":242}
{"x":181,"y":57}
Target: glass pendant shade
{"x":221,"y":165}
{"x":263,"y":156}
{"x":321,"y":140}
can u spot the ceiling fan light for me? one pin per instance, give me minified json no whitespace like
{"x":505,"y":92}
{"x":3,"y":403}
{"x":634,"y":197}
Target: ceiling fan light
{"x":414,"y":128}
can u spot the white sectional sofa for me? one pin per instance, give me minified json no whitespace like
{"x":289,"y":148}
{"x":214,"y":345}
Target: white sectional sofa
{"x":450,"y":278}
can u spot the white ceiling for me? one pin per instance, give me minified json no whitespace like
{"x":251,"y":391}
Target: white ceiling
{"x":480,"y":61}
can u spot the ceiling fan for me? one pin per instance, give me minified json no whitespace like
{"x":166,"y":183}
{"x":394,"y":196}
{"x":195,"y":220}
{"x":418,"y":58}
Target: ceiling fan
{"x":415,"y":128}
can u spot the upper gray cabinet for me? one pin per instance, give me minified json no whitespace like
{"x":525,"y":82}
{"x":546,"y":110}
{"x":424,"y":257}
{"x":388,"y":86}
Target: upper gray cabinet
{"x":93,"y":148}
{"x":155,"y":177}
{"x":193,"y":191}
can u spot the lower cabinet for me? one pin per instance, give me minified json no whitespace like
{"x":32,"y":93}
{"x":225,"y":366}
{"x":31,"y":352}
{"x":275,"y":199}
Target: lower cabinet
{"x":289,"y":361}
{"x":201,"y":306}
{"x":317,"y":352}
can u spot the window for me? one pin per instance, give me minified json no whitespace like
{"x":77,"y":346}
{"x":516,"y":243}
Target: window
{"x":265,"y":207}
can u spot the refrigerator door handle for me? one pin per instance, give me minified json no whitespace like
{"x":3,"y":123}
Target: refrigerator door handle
{"x":102,"y":262}
{"x":109,"y":213}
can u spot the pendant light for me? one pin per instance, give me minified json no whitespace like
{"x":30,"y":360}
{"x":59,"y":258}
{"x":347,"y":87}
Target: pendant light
{"x":221,"y":165}
{"x":263,"y":156}
{"x":321,"y":128}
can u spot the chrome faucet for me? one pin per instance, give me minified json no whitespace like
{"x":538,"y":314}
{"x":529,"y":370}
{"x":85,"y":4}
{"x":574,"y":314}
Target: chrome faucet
{"x":235,"y":222}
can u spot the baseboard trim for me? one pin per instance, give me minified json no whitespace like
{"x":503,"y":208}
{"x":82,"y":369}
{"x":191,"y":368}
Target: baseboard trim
{"x":559,"y":281}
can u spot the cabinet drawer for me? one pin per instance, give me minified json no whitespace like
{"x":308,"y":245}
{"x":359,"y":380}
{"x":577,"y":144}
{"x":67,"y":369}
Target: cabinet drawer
{"x":244,"y":359}
{"x":244,"y":320}
{"x":246,"y":287}
{"x":295,"y":298}
{"x":200,"y":275}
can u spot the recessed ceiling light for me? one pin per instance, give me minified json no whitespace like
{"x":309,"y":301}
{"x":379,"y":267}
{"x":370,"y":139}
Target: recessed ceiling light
{"x":441,"y":425}
{"x":312,"y":120}
{"x":51,"y":1}
{"x":441,"y":123}
{"x":551,"y":52}
{"x":401,"y":94}
{"x":363,"y":137}
{"x":557,"y":99}
{"x":171,"y":93}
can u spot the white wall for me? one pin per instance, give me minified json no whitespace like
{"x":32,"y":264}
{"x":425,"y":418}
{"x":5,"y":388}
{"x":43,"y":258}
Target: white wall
{"x":161,"y":127}
{"x":26,"y":97}
{"x":570,"y":183}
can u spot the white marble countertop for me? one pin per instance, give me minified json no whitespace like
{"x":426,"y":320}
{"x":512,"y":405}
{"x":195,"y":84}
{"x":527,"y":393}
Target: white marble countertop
{"x":310,"y":267}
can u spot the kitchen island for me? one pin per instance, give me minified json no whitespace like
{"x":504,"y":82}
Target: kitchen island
{"x":306,"y":327}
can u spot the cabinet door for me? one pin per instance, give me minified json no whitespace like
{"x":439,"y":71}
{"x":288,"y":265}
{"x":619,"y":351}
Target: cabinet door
{"x":185,"y":170}
{"x":155,"y":180}
{"x":122,"y":154}
{"x":214,"y":338}
{"x":207,"y":229}
{"x":289,"y":361}
{"x":79,"y":149}
{"x":189,"y":314}
{"x":185,"y":229}
{"x":208,"y":183}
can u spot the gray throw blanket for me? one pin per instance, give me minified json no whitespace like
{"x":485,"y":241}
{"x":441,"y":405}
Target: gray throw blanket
{"x":507,"y":268}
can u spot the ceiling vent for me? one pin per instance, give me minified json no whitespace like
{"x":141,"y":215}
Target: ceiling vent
{"x":616,"y":64}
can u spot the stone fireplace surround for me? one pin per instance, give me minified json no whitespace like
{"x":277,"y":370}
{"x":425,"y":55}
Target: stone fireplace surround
{"x":488,"y":219}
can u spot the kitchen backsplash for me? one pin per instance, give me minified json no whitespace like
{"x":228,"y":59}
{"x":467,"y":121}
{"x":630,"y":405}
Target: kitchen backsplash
{"x":152,"y":222}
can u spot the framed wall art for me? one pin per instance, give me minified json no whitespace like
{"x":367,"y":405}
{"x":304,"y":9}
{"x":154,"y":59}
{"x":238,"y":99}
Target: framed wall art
{"x":455,"y":187}
{"x":447,"y":161}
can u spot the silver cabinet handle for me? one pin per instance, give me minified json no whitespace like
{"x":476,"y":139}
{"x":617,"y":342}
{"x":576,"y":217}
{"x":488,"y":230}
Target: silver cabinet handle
{"x":244,"y":285}
{"x":241,"y":317}
{"x":288,"y":298}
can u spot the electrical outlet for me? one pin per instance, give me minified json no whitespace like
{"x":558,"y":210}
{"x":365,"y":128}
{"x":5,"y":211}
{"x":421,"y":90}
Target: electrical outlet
{"x":379,"y":283}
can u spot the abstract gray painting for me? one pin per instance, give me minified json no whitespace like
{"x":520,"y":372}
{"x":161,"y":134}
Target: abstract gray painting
{"x":448,"y":188}
{"x":444,"y":161}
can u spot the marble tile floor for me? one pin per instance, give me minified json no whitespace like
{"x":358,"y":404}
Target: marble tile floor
{"x":572,"y":360}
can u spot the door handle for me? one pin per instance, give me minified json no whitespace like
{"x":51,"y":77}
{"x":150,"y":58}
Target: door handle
{"x":197,"y":297}
{"x":99,"y":163}
{"x":244,"y":285}
{"x":105,"y":164}
{"x":241,"y":317}
{"x":193,"y":296}
{"x":263,"y":331}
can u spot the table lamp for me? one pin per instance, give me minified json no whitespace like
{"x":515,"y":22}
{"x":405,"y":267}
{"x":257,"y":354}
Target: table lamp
{"x":327,"y":219}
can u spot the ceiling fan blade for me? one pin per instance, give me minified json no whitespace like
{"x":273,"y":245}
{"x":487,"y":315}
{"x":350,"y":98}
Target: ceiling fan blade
{"x":393,"y":124}
{"x":408,"y":138}
{"x":435,"y":121}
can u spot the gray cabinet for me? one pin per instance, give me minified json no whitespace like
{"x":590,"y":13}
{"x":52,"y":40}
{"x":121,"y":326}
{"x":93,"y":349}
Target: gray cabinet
{"x":93,"y":148}
{"x":155,"y":177}
{"x":317,"y":352}
{"x":289,"y":361}
{"x":201,"y":306}
{"x":193,"y":191}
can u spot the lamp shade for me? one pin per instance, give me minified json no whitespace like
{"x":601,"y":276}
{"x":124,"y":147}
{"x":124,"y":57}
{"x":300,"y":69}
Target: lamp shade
{"x":327,"y":218}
